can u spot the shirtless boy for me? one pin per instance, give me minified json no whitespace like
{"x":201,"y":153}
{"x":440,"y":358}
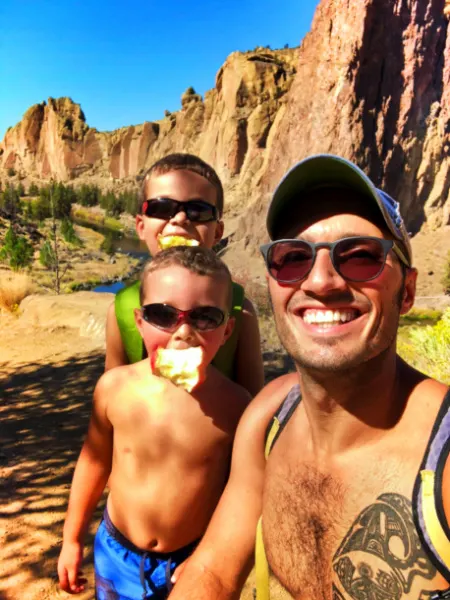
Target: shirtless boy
{"x":164,"y":452}
{"x":182,"y":196}
{"x":352,"y":479}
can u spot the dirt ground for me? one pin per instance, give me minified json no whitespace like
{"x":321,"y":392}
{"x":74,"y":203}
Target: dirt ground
{"x":46,"y":381}
{"x":47,"y":375}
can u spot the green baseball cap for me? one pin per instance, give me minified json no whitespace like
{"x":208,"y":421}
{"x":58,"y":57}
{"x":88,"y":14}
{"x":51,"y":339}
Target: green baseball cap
{"x":326,"y":170}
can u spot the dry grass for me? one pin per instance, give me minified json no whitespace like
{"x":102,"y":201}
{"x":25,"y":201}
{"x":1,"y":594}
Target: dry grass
{"x":14,"y":287}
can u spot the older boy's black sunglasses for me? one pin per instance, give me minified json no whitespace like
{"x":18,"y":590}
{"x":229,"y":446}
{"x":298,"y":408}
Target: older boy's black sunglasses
{"x":168,"y":318}
{"x":354,"y":258}
{"x":197,"y":211}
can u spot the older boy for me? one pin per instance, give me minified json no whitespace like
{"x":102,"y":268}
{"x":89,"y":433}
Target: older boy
{"x":182,"y":196}
{"x":165,"y":452}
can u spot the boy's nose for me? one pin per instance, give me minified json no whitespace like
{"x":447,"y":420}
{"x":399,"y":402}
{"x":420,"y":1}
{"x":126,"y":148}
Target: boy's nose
{"x":185,"y":332}
{"x":180,"y":216}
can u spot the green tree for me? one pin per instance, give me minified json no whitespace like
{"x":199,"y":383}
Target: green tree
{"x":16,"y":250}
{"x":10,"y":202}
{"x":20,"y":189}
{"x":33,"y":190}
{"x":108,"y":244}
{"x":47,"y":256}
{"x":68,"y":233}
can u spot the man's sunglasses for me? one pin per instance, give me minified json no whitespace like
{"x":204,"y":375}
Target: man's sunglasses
{"x":197,"y":211}
{"x":168,"y":318}
{"x":354,"y":258}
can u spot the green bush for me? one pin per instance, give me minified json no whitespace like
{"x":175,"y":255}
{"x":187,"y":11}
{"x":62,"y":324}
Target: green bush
{"x":47,"y":256}
{"x":11,"y":172}
{"x":33,"y":190}
{"x":108,"y":244}
{"x":428,"y":348}
{"x":16,"y":250}
{"x":68,"y":233}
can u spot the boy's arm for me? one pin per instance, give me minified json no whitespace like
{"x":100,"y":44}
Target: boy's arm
{"x":249,"y":361}
{"x":220,"y":565}
{"x":91,"y":475}
{"x":115,"y":351}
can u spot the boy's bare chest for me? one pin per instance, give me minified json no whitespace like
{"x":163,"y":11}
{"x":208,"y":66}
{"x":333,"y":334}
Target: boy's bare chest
{"x":159,"y":427}
{"x":347,"y":533}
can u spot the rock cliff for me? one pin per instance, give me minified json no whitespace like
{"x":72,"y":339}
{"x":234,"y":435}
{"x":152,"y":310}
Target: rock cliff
{"x":230,"y":128}
{"x":370,"y":82}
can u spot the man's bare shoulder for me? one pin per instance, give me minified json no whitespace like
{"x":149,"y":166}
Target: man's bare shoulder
{"x":265,"y":404}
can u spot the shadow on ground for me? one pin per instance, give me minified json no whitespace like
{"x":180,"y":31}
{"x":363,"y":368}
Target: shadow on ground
{"x":43,"y":417}
{"x":44,"y":412}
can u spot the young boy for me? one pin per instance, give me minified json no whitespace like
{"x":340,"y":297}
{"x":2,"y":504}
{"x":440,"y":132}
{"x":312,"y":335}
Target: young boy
{"x":182,"y":196}
{"x":164,"y":452}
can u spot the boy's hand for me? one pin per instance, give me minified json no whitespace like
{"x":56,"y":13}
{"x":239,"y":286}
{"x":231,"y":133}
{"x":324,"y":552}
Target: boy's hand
{"x":69,"y":564}
{"x":177,"y":573}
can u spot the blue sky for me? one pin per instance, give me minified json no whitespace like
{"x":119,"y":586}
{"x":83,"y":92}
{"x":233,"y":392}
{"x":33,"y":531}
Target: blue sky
{"x":125,"y":61}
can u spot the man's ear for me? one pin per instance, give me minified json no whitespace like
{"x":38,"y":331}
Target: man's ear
{"x":140,"y":226}
{"x":409,"y":291}
{"x":218,"y":234}
{"x":228,"y":329}
{"x":139,"y":321}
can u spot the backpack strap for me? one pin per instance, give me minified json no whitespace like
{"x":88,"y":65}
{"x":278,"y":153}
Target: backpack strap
{"x":125,"y":302}
{"x":428,"y":508}
{"x":281,"y":418}
{"x":274,"y":429}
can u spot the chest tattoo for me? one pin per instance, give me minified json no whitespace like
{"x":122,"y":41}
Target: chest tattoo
{"x":381,"y":556}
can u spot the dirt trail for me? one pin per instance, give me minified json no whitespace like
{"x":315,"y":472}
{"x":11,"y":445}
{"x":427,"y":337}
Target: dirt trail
{"x":47,"y":377}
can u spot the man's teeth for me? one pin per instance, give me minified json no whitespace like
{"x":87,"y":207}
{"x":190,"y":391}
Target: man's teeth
{"x":329,"y":316}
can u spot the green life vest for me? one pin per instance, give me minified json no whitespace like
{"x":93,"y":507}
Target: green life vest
{"x":127,"y":300}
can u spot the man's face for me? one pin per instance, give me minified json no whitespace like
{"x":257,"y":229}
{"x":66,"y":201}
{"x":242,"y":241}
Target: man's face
{"x":365,"y":314}
{"x":182,"y":289}
{"x":182,"y":186}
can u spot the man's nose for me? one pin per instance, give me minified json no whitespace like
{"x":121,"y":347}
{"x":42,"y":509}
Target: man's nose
{"x":323,"y":277}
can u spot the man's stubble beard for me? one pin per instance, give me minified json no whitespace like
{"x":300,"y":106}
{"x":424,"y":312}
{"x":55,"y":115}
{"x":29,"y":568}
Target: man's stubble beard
{"x":338,"y":364}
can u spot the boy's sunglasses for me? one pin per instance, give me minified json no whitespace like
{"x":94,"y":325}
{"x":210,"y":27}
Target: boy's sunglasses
{"x":168,"y":318}
{"x":354,"y":258}
{"x":197,"y":211}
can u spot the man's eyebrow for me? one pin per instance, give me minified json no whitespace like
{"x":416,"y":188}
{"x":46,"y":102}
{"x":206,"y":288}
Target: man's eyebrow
{"x":344,"y":234}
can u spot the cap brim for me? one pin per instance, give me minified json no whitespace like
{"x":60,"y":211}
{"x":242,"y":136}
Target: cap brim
{"x":321,"y":170}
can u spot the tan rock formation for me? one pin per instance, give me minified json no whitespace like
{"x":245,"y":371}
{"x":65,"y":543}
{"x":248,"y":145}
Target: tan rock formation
{"x":229,"y":128}
{"x":371,"y":82}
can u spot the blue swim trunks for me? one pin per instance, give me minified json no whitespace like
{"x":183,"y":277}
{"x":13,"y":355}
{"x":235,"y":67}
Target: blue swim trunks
{"x":124,"y":572}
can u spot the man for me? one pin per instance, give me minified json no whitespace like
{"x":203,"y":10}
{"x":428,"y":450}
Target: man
{"x":355,"y":492}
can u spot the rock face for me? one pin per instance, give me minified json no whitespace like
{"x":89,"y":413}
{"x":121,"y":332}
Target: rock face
{"x":230,"y":128}
{"x":369,"y":82}
{"x":373,"y":85}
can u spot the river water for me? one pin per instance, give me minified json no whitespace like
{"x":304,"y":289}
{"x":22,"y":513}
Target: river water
{"x":120,"y":243}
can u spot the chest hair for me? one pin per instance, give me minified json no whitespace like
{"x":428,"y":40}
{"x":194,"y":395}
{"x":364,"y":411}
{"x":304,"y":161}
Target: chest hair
{"x":302,"y":514}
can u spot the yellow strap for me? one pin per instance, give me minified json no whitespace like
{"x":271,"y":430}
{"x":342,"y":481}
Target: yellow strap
{"x":272,"y":433}
{"x":438,"y":538}
{"x":261,"y":566}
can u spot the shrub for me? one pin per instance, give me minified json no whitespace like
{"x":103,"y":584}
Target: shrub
{"x":428,"y":348}
{"x":14,"y":287}
{"x":47,"y":256}
{"x":21,"y":190}
{"x":68,"y":233}
{"x":16,"y":250}
{"x":11,"y":172}
{"x":33,"y":190}
{"x":108,"y":244}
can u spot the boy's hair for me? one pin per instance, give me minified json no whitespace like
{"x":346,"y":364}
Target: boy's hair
{"x":195,"y":259}
{"x":185,"y":162}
